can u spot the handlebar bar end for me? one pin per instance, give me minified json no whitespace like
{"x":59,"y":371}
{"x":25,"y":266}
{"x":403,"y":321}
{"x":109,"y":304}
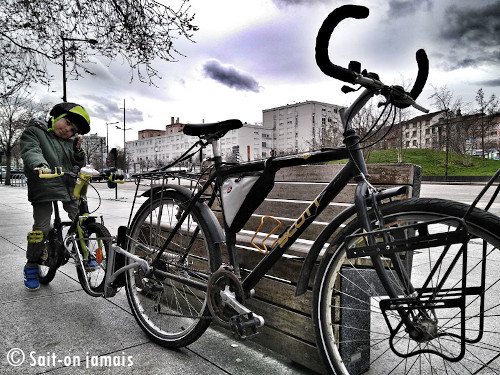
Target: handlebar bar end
{"x":323,"y":40}
{"x":423,"y":72}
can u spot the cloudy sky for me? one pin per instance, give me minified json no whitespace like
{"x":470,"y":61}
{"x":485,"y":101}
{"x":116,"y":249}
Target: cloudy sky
{"x":259,"y":54}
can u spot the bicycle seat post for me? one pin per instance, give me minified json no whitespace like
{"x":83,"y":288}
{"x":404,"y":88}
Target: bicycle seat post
{"x":216,"y":150}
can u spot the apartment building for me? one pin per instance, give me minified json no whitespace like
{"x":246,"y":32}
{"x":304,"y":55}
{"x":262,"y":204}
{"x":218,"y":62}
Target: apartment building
{"x":303,"y":126}
{"x":467,"y":134}
{"x":156,"y":148}
{"x":287,"y":129}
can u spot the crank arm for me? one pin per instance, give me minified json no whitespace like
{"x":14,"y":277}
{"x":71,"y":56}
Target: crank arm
{"x":228,"y":298}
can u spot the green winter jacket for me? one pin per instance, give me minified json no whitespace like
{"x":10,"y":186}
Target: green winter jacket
{"x":38,"y":147}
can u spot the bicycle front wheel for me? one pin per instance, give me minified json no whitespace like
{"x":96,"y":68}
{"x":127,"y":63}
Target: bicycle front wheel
{"x":171,"y":307}
{"x":97,"y":245}
{"x":453,"y":302}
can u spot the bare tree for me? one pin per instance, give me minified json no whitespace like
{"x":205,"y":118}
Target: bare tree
{"x":397,"y":134}
{"x":32,"y":32}
{"x":444,"y":101}
{"x":94,"y":150}
{"x":328,"y":134}
{"x":15,"y":112}
{"x":486,"y":119}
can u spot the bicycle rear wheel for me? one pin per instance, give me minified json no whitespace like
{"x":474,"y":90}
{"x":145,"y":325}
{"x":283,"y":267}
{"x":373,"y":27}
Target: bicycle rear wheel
{"x":171,"y":307}
{"x":352,"y":312}
{"x":92,"y":281}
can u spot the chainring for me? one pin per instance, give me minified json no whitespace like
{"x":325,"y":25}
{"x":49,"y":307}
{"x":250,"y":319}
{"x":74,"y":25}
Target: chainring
{"x":221,"y":280}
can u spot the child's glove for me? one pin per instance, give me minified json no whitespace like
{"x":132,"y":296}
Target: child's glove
{"x":43,"y":169}
{"x":77,"y":145}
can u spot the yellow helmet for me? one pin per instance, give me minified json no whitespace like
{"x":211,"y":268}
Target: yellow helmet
{"x":75,"y":113}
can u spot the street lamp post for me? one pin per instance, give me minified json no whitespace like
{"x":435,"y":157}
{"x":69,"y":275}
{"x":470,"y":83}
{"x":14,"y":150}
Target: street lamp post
{"x":124,"y":147}
{"x":107,"y":135}
{"x":64,"y":39}
{"x":124,"y":144}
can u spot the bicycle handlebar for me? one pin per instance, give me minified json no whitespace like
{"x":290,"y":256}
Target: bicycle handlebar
{"x":58,"y":172}
{"x":323,"y":40}
{"x":347,"y":75}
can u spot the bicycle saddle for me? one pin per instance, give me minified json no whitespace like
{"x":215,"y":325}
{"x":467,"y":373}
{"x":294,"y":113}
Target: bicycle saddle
{"x":212,"y":128}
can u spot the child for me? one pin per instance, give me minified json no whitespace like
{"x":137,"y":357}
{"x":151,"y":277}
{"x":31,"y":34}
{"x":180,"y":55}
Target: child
{"x":44,"y":146}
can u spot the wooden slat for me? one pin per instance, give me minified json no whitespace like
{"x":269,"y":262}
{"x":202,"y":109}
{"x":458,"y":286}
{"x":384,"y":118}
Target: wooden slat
{"x":397,"y":174}
{"x":295,"y":349}
{"x":289,"y":328}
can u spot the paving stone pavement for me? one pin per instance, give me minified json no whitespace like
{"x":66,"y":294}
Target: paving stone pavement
{"x":59,"y":329}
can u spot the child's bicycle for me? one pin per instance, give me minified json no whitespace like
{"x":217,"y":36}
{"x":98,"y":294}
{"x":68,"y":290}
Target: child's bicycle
{"x":435,"y":306}
{"x":85,"y":240}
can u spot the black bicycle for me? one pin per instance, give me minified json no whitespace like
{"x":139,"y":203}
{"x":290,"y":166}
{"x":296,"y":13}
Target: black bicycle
{"x":84,"y":240}
{"x":435,"y":306}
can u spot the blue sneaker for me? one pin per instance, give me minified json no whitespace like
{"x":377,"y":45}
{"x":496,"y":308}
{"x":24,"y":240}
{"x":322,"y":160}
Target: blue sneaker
{"x":31,"y":278}
{"x":91,"y":264}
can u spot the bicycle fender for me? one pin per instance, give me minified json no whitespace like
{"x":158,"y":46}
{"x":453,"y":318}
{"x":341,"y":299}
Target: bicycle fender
{"x":312,"y":255}
{"x":205,"y":211}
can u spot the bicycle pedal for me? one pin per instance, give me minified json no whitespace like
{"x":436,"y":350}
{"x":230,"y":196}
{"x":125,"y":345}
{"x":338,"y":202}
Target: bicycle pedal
{"x":244,"y":326}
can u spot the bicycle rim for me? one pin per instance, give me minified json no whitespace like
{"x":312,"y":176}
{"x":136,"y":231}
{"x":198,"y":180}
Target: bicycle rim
{"x":98,"y":251}
{"x":352,"y":319}
{"x":168,"y":307}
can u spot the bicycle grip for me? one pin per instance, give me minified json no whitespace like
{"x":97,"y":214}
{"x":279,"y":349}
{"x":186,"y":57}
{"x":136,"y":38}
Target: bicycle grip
{"x":58,"y":172}
{"x":423,"y":72}
{"x":323,"y":40}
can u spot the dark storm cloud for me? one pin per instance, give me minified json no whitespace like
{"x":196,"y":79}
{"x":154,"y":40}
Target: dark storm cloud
{"x":111,"y":109}
{"x":134,"y":115}
{"x":229,"y":76}
{"x":285,"y":3}
{"x":480,"y":25}
{"x":474,"y":32}
{"x":490,"y":83}
{"x":401,"y":8}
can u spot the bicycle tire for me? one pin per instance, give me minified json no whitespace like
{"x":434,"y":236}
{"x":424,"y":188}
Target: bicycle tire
{"x":351,"y":329}
{"x":47,"y":273}
{"x":99,"y":251}
{"x":171,"y":313}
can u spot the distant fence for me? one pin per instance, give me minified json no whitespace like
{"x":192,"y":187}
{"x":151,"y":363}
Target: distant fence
{"x":16,"y":179}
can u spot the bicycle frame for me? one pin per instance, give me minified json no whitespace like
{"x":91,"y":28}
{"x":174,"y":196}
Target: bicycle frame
{"x":355,"y":168}
{"x":75,"y":233}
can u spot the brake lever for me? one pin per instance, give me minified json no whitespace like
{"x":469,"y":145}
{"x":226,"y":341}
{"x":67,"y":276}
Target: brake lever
{"x":401,"y":99}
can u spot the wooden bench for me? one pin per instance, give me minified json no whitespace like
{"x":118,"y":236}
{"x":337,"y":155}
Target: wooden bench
{"x":289,"y":329}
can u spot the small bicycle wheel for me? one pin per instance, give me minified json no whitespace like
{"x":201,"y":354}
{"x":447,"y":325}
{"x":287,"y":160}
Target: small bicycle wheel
{"x":172,"y":306}
{"x":97,"y":245}
{"x":46,"y":273}
{"x":454,"y":306}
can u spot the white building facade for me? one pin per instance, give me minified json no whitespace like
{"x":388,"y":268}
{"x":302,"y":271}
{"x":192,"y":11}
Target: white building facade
{"x":303,"y":126}
{"x":288,"y":129}
{"x":251,"y":142}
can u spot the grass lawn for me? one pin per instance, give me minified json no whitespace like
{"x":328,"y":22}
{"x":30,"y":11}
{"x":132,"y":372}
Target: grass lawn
{"x":433,"y":162}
